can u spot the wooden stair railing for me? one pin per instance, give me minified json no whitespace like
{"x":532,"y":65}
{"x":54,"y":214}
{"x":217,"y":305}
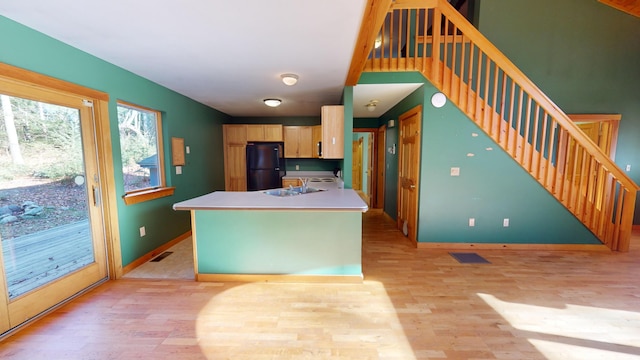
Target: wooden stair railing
{"x":431,"y":37}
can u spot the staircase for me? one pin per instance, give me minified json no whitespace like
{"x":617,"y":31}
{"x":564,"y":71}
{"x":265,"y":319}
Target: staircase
{"x":431,"y":37}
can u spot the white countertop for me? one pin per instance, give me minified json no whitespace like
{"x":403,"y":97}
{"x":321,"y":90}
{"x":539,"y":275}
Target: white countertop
{"x":333,"y":199}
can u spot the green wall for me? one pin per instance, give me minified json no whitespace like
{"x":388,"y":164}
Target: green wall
{"x":491,"y":185}
{"x":583,"y":54}
{"x":199,"y":125}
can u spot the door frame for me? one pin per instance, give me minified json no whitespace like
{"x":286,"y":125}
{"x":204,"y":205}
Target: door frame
{"x":374,"y":181}
{"x":103,"y":149}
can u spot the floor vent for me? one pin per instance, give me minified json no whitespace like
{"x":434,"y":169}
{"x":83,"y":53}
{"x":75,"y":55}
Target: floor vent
{"x":469,"y":258}
{"x":162,"y":256}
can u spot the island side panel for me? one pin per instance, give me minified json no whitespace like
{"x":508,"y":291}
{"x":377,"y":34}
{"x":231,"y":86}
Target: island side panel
{"x":279,"y":242}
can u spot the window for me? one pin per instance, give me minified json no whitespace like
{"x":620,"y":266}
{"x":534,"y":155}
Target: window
{"x":141,"y":150}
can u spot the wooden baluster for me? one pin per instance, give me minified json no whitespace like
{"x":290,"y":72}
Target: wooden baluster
{"x":424,"y":39}
{"x":561,"y":164}
{"x":582,"y":187}
{"x":454,"y":51}
{"x":485,"y":102}
{"x":435,"y":47}
{"x":512,"y":101}
{"x":470,"y":109}
{"x":526,"y":146}
{"x":494,"y":118}
{"x":626,"y":221}
{"x":618,"y":219}
{"x":462,"y":98}
{"x":477,"y":101}
{"x":519,"y":120}
{"x":535,"y":153}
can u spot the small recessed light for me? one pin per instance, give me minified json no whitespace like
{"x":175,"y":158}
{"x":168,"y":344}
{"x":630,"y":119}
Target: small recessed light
{"x":272,"y":102}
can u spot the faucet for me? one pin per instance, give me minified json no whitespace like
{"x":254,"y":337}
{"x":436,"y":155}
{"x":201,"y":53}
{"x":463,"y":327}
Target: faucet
{"x":304,"y":182}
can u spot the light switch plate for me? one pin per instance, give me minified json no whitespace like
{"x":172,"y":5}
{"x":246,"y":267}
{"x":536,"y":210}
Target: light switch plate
{"x":455,"y":171}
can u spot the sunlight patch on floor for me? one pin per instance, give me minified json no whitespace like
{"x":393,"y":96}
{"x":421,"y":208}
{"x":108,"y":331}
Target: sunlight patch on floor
{"x":574,"y":331}
{"x":295,"y":320}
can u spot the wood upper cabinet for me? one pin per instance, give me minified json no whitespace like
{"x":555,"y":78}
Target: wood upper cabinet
{"x":298,"y":141}
{"x":316,"y":135}
{"x":234,"y":138}
{"x":333,"y":132}
{"x":266,"y":132}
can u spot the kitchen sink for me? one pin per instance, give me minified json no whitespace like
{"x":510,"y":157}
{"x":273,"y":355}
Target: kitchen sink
{"x":292,"y":191}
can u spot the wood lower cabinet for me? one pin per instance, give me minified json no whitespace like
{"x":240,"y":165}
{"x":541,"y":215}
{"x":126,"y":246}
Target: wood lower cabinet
{"x":266,"y":132}
{"x":298,"y":142}
{"x":292,"y":182}
{"x":234,"y":138}
{"x":333,"y":132}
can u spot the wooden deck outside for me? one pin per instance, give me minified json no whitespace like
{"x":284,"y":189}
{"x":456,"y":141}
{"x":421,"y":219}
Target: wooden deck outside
{"x":36,"y":259}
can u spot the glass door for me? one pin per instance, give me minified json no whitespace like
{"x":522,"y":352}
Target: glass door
{"x":51,"y":221}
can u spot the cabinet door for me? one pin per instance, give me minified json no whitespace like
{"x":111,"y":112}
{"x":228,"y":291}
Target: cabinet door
{"x":291,"y":142}
{"x":272,"y":132}
{"x":255,"y":133}
{"x":234,"y":134}
{"x":305,"y":147}
{"x":316,"y":132}
{"x":292,"y":182}
{"x":333,"y":132}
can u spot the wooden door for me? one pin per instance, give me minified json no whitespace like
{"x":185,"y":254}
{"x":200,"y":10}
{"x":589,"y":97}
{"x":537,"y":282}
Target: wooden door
{"x":409,"y":172}
{"x":48,"y":261}
{"x":380,"y":166}
{"x":357,"y":164}
{"x":235,"y":157}
{"x":370,"y":193}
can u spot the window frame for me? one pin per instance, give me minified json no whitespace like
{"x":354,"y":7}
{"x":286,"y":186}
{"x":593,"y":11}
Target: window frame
{"x":161,"y":190}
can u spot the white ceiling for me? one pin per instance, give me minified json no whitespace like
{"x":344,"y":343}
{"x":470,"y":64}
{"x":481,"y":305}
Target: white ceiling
{"x":226,"y":54}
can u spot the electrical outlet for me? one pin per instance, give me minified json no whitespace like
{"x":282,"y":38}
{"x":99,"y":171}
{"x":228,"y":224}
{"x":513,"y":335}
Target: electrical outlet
{"x":628,"y":167}
{"x":505,"y":222}
{"x":472,"y":222}
{"x":143,"y":231}
{"x":297,"y":167}
{"x":455,"y":171}
{"x":188,"y":150}
{"x":178,"y":170}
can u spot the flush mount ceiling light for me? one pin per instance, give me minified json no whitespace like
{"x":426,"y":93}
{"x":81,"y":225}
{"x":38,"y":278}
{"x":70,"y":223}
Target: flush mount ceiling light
{"x":378,"y":42}
{"x":371,"y":106}
{"x":272,"y":102}
{"x":289,"y":79}
{"x":438,"y":100}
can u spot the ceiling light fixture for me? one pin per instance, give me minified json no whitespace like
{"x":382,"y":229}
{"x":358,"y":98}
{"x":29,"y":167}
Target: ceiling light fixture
{"x":272,"y":102}
{"x":378,"y":42}
{"x":371,"y":106}
{"x":289,"y":79}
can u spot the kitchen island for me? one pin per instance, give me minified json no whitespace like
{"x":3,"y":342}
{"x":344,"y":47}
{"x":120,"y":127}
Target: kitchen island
{"x":253,"y":236}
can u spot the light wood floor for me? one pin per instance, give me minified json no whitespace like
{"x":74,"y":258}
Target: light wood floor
{"x":413,"y":304}
{"x":178,"y":265}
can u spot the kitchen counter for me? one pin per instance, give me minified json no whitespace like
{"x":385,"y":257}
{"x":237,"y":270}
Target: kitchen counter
{"x":252,"y":236}
{"x":331,"y":199}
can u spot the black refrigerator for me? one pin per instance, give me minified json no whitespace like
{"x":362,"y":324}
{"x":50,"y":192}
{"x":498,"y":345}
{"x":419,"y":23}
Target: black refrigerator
{"x":265,"y":165}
